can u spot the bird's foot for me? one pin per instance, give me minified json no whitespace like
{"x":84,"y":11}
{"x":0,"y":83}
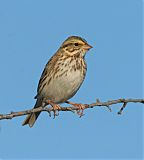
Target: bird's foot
{"x":79,"y":106}
{"x":55,"y":107}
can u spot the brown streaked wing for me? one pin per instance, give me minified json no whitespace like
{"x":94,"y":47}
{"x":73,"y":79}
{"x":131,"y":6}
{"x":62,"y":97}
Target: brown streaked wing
{"x":49,"y":66}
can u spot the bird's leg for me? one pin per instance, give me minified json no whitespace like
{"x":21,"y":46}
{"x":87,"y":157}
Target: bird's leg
{"x":80,"y":107}
{"x":55,"y":107}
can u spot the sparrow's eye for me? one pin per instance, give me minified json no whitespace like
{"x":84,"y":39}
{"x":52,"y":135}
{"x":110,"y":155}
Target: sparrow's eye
{"x":76,"y":44}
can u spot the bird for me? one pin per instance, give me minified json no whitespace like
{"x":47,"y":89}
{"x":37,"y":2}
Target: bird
{"x":62,"y":76}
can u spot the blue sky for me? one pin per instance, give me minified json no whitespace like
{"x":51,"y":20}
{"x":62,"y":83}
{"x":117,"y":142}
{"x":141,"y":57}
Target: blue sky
{"x":30,"y":33}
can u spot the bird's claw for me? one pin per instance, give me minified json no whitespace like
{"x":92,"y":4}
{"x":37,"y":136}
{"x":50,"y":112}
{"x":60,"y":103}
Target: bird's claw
{"x":55,"y":108}
{"x":80,"y":108}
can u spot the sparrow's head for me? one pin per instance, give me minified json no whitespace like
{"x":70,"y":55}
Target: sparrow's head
{"x":75,"y":45}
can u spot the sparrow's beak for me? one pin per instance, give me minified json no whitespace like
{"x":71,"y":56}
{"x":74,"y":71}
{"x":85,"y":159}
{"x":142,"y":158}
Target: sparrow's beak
{"x":87,"y":47}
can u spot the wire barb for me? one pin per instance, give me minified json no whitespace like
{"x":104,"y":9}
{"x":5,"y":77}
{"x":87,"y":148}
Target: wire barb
{"x":122,"y":108}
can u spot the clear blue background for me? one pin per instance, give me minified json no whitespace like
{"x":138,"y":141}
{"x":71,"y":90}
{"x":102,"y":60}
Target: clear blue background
{"x":30,"y":33}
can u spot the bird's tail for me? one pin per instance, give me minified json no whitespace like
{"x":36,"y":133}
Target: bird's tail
{"x":31,"y":118}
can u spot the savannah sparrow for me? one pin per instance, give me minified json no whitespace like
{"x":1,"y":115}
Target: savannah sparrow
{"x":63,"y":74}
